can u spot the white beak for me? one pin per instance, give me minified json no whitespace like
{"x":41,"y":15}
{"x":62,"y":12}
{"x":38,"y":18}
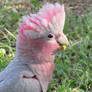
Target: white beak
{"x":63,"y":40}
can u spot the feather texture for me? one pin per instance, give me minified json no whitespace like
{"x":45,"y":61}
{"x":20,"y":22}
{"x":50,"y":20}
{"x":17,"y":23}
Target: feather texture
{"x":32,"y":68}
{"x":49,"y":18}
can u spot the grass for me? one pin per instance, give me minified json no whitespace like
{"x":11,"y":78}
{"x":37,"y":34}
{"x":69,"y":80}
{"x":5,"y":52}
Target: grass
{"x":73,"y":67}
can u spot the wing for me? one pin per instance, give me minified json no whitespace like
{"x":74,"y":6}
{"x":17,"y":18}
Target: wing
{"x":17,"y":82}
{"x":18,"y":79}
{"x":22,"y":85}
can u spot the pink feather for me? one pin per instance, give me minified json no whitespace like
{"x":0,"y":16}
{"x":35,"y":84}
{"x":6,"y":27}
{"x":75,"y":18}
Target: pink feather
{"x":49,"y":13}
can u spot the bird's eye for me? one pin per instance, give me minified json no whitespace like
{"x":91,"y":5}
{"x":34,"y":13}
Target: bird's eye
{"x":50,"y":36}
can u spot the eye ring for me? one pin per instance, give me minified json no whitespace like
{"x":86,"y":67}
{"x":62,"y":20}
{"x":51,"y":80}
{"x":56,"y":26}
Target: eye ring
{"x":50,"y":35}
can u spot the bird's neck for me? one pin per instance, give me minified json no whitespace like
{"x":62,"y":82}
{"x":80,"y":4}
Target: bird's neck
{"x":34,"y":52}
{"x":43,"y":72}
{"x":39,"y":58}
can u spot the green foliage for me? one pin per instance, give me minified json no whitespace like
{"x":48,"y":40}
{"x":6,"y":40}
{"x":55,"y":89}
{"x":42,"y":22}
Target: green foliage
{"x":72,"y":67}
{"x":2,"y":52}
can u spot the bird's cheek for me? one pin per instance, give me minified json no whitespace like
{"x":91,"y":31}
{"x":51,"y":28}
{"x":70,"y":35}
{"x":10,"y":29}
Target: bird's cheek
{"x":53,"y":43}
{"x":56,"y":46}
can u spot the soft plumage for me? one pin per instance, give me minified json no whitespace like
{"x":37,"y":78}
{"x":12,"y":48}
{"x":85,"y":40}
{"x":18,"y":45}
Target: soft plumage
{"x":39,"y":37}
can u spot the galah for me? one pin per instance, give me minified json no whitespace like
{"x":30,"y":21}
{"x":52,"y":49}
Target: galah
{"x":39,"y":37}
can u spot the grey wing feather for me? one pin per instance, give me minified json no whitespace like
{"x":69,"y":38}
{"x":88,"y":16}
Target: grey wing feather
{"x":11,"y":80}
{"x":22,"y":85}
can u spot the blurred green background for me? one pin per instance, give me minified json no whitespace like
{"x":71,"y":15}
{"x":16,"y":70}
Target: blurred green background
{"x":72,"y":71}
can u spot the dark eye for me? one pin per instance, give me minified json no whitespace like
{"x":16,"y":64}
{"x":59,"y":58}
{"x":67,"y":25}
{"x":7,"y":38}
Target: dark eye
{"x":50,"y":36}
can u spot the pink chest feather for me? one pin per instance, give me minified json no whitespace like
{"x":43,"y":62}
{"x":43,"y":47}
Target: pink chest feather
{"x":45,"y":70}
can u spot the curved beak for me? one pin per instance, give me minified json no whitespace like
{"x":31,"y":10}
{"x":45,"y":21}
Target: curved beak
{"x":63,"y":41}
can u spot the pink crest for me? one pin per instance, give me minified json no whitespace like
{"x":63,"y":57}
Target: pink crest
{"x":47,"y":17}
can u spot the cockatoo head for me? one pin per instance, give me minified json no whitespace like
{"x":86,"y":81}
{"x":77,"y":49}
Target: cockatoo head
{"x":41,"y":34}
